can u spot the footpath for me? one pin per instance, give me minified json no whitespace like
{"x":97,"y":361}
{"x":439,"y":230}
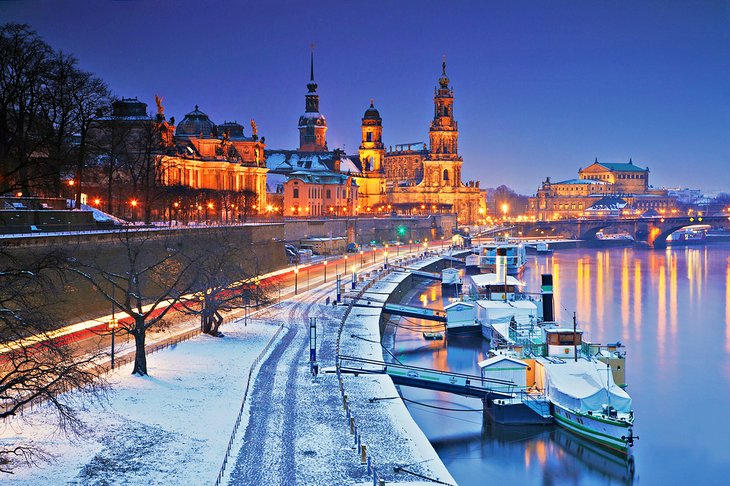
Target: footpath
{"x":337,"y":428}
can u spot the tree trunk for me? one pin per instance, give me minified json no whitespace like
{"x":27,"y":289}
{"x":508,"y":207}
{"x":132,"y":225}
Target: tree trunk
{"x":217,"y":320}
{"x":140,"y":358}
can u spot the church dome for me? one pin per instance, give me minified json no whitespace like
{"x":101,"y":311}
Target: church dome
{"x":371,"y":113}
{"x":234,"y":130}
{"x":312,"y":119}
{"x":196,"y":124}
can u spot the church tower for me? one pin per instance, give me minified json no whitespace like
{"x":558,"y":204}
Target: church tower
{"x":372,"y":150}
{"x":442,"y":167}
{"x":312,"y":124}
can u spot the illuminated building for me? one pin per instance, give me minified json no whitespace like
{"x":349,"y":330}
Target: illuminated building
{"x":602,"y":189}
{"x":204,"y":155}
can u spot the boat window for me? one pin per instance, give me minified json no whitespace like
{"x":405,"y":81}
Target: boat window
{"x":563,"y":338}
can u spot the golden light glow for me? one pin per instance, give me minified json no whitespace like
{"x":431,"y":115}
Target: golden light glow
{"x":97,"y":201}
{"x":210,"y":205}
{"x":175,"y":204}
{"x":134,"y":203}
{"x":727,"y":307}
{"x":662,"y":310}
{"x":71,"y":182}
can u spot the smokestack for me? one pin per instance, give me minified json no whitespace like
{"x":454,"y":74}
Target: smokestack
{"x":546,"y":290}
{"x":500,"y":268}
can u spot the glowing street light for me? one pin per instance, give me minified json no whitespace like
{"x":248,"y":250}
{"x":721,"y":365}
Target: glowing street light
{"x":362,"y":252}
{"x":345,"y":263}
{"x":325,"y":269}
{"x":505,"y":209}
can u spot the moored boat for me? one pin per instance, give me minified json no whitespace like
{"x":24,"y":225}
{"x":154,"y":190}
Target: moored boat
{"x":512,"y":255}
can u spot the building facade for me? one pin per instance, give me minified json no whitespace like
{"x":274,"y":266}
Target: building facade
{"x":204,"y":155}
{"x":624,"y":185}
{"x":440,"y":188}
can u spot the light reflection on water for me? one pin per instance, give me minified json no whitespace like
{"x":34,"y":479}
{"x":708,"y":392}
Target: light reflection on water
{"x":672,"y":310}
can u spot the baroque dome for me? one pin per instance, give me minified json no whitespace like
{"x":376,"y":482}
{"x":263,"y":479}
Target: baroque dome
{"x":196,"y":124}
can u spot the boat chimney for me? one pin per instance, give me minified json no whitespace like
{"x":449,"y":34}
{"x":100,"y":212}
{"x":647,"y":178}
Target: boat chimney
{"x":546,"y":291}
{"x":500,"y":267}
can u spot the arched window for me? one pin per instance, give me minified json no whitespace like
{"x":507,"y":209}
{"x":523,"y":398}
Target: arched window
{"x":446,"y":175}
{"x":296,"y":193}
{"x":369,"y":136}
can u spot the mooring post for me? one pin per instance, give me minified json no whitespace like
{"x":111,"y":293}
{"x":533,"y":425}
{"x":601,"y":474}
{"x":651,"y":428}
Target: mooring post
{"x":352,"y":425}
{"x":363,"y":454}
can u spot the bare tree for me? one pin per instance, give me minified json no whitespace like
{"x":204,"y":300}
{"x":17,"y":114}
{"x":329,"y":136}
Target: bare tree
{"x":227,"y":278}
{"x":154,"y":276}
{"x":34,"y":366}
{"x":24,"y":68}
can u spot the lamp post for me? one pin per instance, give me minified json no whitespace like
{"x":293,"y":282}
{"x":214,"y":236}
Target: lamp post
{"x":113,"y":328}
{"x":505,"y":209}
{"x":374,"y":250}
{"x":345,"y":263}
{"x":362,"y":252}
{"x":296,"y":280}
{"x":325,"y":269}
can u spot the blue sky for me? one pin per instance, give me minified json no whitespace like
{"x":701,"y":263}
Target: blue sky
{"x":542,"y":88}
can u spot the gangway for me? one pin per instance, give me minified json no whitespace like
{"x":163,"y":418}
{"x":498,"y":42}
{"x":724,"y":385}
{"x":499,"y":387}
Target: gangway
{"x":429,"y":379}
{"x":417,"y":312}
{"x":418,"y":273}
{"x":450,"y":258}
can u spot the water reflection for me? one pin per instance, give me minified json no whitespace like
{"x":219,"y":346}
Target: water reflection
{"x":727,"y":307}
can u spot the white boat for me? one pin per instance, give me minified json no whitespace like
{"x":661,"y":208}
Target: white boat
{"x":586,"y":400}
{"x":542,"y":248}
{"x":460,"y":318}
{"x":579,"y":379}
{"x":472,"y":263}
{"x":514,"y":257}
{"x":450,"y":277}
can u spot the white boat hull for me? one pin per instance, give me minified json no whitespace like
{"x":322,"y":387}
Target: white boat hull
{"x":613,"y":434}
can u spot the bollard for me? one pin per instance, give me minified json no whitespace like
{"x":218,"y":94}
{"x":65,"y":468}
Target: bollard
{"x":344,"y":401}
{"x":357,"y":441}
{"x":363,"y":455}
{"x":381,"y":482}
{"x":352,"y":425}
{"x":370,"y":466}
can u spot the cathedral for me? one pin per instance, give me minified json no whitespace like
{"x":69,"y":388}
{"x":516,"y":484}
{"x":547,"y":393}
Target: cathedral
{"x":413,"y":179}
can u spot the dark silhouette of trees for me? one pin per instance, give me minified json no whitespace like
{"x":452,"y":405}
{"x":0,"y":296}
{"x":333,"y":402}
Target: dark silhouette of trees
{"x":154,"y":277}
{"x":46,"y":106}
{"x":227,"y":278}
{"x":33,"y":365}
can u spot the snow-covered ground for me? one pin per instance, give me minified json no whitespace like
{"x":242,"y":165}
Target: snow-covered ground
{"x":172,"y":427}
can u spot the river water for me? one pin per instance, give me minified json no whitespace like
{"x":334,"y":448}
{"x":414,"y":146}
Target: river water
{"x":671,"y":308}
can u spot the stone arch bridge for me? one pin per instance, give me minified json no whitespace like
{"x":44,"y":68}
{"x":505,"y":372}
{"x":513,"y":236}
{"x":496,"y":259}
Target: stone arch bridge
{"x":653,"y":231}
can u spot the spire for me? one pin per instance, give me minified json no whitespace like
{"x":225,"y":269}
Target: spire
{"x":595,"y":161}
{"x":443,"y":65}
{"x":371,"y":103}
{"x":311,"y":85}
{"x":631,"y":161}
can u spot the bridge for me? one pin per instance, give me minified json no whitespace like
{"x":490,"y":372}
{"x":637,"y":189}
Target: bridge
{"x":417,"y":312}
{"x":428,"y":379}
{"x":417,"y":273}
{"x":653,"y":230}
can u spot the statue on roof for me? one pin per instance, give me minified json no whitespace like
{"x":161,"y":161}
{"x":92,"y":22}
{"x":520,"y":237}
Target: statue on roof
{"x":254,"y":130}
{"x":160,"y":108}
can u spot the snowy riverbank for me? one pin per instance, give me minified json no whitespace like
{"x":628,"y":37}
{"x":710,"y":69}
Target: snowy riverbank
{"x":171,"y":427}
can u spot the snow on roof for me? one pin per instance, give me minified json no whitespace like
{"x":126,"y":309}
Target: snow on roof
{"x":581,"y":181}
{"x":608,"y":203}
{"x":455,"y":304}
{"x":500,"y":358}
{"x":485,"y":279}
{"x":348,"y":165}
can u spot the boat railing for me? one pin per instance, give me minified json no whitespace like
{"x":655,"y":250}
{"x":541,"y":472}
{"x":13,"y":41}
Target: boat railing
{"x":537,"y":402}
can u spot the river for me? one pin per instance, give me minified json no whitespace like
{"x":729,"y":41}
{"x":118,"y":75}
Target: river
{"x":670,"y":308}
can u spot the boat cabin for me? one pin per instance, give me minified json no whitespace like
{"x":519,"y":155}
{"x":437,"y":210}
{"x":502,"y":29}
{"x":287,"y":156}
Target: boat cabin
{"x":563,"y":343}
{"x":489,"y":286}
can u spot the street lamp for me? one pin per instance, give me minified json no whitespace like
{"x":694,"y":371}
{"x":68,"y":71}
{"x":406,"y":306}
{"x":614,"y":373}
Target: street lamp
{"x":325,"y":269}
{"x":362,"y":252}
{"x":345,"y":264}
{"x":134,"y":204}
{"x":296,"y":280}
{"x":505,"y":209}
{"x":113,"y":323}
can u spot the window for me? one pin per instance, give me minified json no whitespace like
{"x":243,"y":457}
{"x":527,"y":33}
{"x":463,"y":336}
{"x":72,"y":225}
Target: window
{"x":329,"y":194}
{"x":446,"y":175}
{"x":296,"y":193}
{"x":369,"y":137}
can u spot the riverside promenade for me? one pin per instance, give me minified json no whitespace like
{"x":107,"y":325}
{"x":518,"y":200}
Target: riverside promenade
{"x":297,"y":430}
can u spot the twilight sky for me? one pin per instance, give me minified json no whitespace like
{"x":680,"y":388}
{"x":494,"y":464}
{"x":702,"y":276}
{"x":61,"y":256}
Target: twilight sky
{"x":542,"y":88}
